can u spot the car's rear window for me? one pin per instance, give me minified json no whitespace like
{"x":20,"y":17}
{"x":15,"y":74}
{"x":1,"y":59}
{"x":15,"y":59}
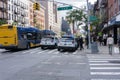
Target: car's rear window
{"x":67,"y":39}
{"x":46,"y":38}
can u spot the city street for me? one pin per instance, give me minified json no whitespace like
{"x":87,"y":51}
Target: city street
{"x":90,"y":29}
{"x":37,"y":64}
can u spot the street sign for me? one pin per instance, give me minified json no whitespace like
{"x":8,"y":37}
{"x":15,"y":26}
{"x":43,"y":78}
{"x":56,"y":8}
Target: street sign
{"x":64,"y":8}
{"x":93,"y":18}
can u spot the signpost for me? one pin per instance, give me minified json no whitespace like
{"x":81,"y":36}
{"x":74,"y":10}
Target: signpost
{"x":92,"y":18}
{"x":64,"y":8}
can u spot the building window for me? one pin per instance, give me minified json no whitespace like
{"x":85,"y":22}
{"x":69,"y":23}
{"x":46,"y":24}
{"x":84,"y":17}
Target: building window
{"x":12,"y":17}
{"x":9,"y":7}
{"x":9,"y":16}
{"x":119,"y":4}
{"x":12,"y":8}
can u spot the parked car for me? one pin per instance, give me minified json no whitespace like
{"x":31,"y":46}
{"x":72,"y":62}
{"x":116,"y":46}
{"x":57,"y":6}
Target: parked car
{"x":67,"y":42}
{"x":49,"y":42}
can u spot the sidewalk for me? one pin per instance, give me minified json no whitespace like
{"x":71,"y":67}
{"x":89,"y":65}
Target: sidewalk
{"x":102,"y":50}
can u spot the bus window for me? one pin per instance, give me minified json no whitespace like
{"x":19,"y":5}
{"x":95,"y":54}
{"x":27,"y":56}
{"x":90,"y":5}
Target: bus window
{"x":10,"y":27}
{"x":29,"y":36}
{"x":24,"y":36}
{"x":38,"y":36}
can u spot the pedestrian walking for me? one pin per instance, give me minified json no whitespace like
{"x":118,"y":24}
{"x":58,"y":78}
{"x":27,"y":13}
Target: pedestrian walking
{"x":119,"y":43}
{"x":87,"y":41}
{"x":105,"y":39}
{"x":81,"y":42}
{"x":110,"y":42}
{"x":100,"y":40}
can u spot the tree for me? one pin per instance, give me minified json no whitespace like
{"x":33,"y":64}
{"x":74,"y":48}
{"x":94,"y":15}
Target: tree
{"x":76,"y":16}
{"x":96,"y":24}
{"x":2,"y":21}
{"x":15,"y":23}
{"x":38,"y":25}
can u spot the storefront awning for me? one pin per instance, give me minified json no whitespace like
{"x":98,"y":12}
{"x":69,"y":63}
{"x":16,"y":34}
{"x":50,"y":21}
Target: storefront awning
{"x":112,"y":25}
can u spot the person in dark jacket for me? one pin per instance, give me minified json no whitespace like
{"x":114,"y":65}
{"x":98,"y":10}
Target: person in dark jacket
{"x":87,"y":42}
{"x":81,"y":42}
{"x":119,"y":43}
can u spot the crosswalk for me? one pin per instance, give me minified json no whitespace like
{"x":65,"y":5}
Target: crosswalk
{"x":40,"y":51}
{"x":104,"y":67}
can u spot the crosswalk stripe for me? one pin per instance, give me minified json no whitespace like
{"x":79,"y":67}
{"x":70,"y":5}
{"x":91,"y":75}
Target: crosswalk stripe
{"x":42,"y":52}
{"x":27,"y":51}
{"x":56,"y":52}
{"x":106,"y":68}
{"x":75,"y":52}
{"x":105,"y":79}
{"x":33,"y":52}
{"x":66,"y":53}
{"x":102,"y":59}
{"x":100,"y":66}
{"x":105,"y":73}
{"x":51,"y":51}
{"x":107,"y":57}
{"x":98,"y":61}
{"x":104,"y":64}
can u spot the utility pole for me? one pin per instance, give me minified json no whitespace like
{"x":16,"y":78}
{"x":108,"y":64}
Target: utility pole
{"x":88,"y":24}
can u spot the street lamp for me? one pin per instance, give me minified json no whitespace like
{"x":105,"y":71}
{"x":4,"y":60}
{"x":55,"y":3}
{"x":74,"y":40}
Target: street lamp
{"x":88,"y":24}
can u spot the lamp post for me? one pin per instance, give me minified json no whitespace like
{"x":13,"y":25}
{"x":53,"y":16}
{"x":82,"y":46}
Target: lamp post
{"x":88,"y":24}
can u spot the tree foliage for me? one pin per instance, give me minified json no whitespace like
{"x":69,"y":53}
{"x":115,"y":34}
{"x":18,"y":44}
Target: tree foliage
{"x":76,"y":16}
{"x":96,"y":24}
{"x":2,"y":21}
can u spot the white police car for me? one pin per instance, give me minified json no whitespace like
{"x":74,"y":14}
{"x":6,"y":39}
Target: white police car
{"x":67,"y":42}
{"x":49,"y":42}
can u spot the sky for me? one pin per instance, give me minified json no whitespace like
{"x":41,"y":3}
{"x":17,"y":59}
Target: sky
{"x":77,"y":3}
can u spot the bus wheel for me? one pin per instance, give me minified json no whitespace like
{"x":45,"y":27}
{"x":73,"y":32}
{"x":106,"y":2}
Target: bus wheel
{"x":28,"y":46}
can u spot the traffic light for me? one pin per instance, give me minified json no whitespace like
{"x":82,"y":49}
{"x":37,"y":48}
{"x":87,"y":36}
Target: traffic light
{"x":36,"y":6}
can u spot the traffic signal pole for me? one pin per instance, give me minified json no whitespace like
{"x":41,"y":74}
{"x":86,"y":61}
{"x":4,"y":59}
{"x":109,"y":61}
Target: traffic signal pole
{"x":88,"y":24}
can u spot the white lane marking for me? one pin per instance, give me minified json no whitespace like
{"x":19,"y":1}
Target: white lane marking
{"x":33,"y":52}
{"x":58,"y":63}
{"x":105,"y":79}
{"x":99,"y":61}
{"x":66,"y":53}
{"x":102,"y":59}
{"x":41,"y":52}
{"x":46,"y":62}
{"x":105,"y":73}
{"x":56,"y":52}
{"x":104,"y":64}
{"x":103,"y":56}
{"x":75,"y":52}
{"x":106,"y":68}
{"x":49,"y":52}
{"x":50,"y":73}
{"x":78,"y":63}
{"x":27,"y":51}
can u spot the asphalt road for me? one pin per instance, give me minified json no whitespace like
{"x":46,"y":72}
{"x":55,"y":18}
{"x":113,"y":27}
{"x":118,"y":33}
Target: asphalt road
{"x":37,"y":64}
